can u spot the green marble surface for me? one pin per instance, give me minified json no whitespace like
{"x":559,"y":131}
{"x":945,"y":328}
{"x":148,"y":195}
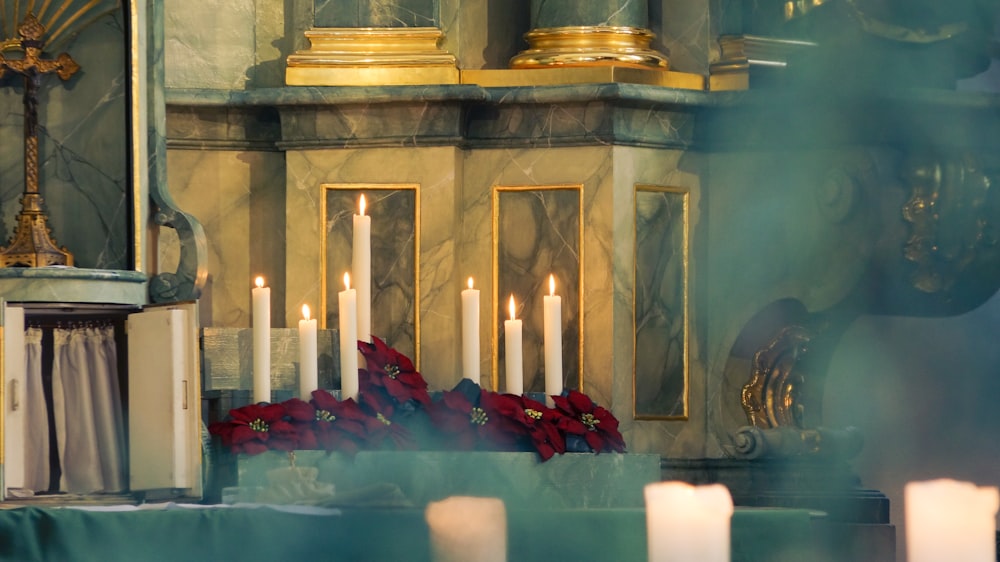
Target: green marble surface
{"x":573,"y":480}
{"x":376,"y":13}
{"x":564,"y":13}
{"x":70,"y":284}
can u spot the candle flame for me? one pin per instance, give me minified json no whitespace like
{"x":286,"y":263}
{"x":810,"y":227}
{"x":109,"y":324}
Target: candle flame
{"x":259,"y":282}
{"x":305,"y":312}
{"x":361,"y":204}
{"x":512,"y":307}
{"x":552,"y":285}
{"x":470,"y":282}
{"x":347,"y":281}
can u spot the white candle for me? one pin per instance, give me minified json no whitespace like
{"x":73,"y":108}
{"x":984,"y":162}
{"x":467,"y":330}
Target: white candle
{"x":261,"y":342}
{"x":467,"y":529}
{"x":361,"y":265}
{"x":553,"y":342}
{"x":308,"y":361}
{"x":685,"y":522}
{"x":950,"y":520}
{"x":348,"y":299}
{"x":513,"y":361}
{"x":470,"y":333}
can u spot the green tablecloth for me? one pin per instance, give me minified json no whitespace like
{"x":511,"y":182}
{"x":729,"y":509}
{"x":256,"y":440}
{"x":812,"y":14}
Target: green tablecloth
{"x":245,"y":535}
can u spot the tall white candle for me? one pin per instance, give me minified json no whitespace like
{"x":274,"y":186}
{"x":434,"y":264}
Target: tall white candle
{"x":685,"y":522}
{"x":348,"y":300}
{"x":361,"y":265}
{"x":950,"y":520}
{"x":553,"y":342}
{"x":261,"y":341}
{"x":308,"y":360}
{"x":467,"y":529}
{"x":513,"y":361}
{"x":470,"y":333}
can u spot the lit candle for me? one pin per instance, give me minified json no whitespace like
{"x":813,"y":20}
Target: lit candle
{"x":553,"y":342}
{"x":261,"y":341}
{"x":513,"y":360}
{"x":467,"y":529}
{"x":348,"y":299}
{"x":470,"y":333}
{"x":685,"y":522}
{"x":361,"y":265}
{"x":950,"y":520}
{"x":308,"y":362}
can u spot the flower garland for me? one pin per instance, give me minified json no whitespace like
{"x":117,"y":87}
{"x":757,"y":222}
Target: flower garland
{"x":394,"y":410}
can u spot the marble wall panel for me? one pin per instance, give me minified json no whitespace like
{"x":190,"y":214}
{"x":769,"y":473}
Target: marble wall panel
{"x":684,"y":31}
{"x":538,"y":233}
{"x":376,"y":13}
{"x":484,"y":33}
{"x":83,"y":150}
{"x":661,"y":305}
{"x":395,"y":229}
{"x":433,"y":169}
{"x":238,"y":197}
{"x":209,"y":44}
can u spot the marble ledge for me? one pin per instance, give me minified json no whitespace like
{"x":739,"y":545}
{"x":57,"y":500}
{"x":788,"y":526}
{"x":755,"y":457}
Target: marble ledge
{"x":73,"y":285}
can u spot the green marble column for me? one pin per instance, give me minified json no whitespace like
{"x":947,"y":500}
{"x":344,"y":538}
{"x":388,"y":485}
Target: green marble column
{"x":569,"y":33}
{"x":376,"y":13}
{"x":606,"y":13}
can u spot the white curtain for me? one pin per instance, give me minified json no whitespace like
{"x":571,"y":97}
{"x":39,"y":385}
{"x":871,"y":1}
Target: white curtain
{"x":87,"y":408}
{"x":36,"y":442}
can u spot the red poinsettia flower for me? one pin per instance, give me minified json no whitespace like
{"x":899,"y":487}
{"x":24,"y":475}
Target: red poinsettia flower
{"x":456,"y":416}
{"x":541,"y":424}
{"x":255,"y":428}
{"x":340,"y":425}
{"x":382,"y":418}
{"x":592,"y":422}
{"x":301,"y":415}
{"x":393,"y":372}
{"x":502,"y":429}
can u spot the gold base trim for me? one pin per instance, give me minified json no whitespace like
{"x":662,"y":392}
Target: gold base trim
{"x":370,"y":56}
{"x":739,"y":53}
{"x":589,"y":46}
{"x":583,"y":75}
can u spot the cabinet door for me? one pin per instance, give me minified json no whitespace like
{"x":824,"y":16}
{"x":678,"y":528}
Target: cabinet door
{"x":164,"y":401}
{"x":12,"y":396}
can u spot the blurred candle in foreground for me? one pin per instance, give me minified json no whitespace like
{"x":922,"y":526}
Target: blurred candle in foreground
{"x":685,"y":523}
{"x":950,"y":520}
{"x":467,"y":529}
{"x":308,"y":360}
{"x":470,"y":333}
{"x":513,"y":358}
{"x":553,"y":342}
{"x":261,"y":318}
{"x":348,"y":300}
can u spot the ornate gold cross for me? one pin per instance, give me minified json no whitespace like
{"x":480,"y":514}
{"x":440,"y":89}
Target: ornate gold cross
{"x":32,"y":244}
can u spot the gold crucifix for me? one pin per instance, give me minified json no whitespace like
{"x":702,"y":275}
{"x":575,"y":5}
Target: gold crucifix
{"x":32,"y":244}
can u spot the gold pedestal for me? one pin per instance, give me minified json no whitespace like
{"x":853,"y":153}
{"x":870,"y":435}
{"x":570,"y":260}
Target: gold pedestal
{"x":589,"y":46}
{"x":32,"y":244}
{"x":372,"y":56}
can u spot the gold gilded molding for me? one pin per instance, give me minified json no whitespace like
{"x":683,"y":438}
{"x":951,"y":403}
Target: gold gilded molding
{"x":685,"y":195}
{"x":369,"y":56}
{"x":605,"y":74}
{"x":774,"y":395}
{"x":738,"y":53}
{"x":589,"y":46}
{"x":369,"y":187}
{"x":501,"y":303}
{"x":949,"y":215}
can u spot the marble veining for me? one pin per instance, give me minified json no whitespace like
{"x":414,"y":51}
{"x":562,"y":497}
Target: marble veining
{"x":565,"y":13}
{"x":220,"y":59}
{"x":83,"y":151}
{"x":394,"y":231}
{"x":660,"y":308}
{"x":539,"y":235}
{"x":376,"y":13}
